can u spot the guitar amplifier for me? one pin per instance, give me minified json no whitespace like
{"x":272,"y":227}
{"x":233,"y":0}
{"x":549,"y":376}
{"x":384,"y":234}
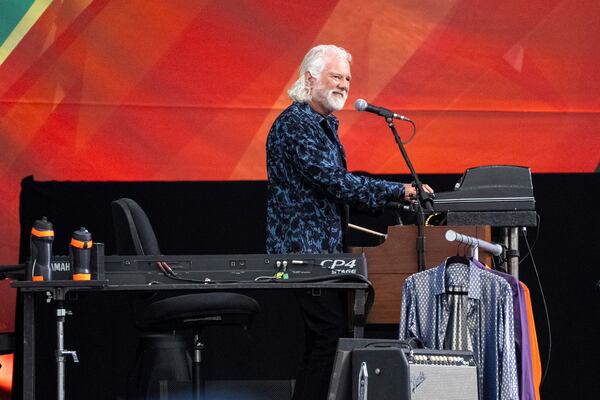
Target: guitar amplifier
{"x":377,"y":369}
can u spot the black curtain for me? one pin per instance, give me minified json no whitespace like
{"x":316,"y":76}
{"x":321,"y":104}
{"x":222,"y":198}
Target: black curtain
{"x":229,"y":218}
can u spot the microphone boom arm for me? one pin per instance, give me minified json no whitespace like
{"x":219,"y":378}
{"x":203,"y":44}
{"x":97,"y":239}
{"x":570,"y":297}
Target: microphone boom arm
{"x":424,"y":199}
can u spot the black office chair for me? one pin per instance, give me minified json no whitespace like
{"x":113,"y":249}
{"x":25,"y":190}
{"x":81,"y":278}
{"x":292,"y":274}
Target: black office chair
{"x":135,"y":236}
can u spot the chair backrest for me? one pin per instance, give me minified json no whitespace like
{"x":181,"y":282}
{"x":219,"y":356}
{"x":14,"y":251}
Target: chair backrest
{"x":133,"y":231}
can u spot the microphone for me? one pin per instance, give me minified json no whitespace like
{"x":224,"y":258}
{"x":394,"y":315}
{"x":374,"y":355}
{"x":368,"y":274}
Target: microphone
{"x":362,"y":105}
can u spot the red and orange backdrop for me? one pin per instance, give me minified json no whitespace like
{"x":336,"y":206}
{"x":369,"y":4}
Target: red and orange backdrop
{"x":187,"y":89}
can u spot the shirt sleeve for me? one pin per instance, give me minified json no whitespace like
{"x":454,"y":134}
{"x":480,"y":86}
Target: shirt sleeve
{"x":509,"y":386}
{"x":407,"y":314}
{"x":318,"y":165}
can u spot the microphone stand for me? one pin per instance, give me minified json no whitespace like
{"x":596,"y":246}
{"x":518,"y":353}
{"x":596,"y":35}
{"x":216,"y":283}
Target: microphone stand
{"x":424,"y":202}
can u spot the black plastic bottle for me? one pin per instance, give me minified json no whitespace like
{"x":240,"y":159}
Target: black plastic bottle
{"x":40,"y":242}
{"x":80,"y":251}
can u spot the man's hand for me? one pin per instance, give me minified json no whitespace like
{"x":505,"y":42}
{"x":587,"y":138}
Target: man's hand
{"x":410,"y":192}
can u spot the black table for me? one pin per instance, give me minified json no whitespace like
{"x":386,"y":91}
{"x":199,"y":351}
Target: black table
{"x":61,"y":292}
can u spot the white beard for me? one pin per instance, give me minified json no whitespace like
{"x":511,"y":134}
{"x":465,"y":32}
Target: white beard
{"x":332,"y":102}
{"x":335,"y":102}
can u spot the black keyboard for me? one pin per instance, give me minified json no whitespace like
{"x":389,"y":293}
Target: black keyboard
{"x":489,"y":188}
{"x":133,"y":270}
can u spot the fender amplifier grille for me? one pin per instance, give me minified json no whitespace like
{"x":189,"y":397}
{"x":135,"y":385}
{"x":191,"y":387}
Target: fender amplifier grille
{"x":444,"y":375}
{"x":376,"y":369}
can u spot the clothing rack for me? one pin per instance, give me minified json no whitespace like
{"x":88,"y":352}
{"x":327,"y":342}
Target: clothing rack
{"x":474,"y":243}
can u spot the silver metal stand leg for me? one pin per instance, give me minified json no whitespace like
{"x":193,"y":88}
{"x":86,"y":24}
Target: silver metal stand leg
{"x":505,"y":242}
{"x":61,"y":353}
{"x":197,"y":376}
{"x":513,"y":252}
{"x":60,"y":358}
{"x":510,"y":239}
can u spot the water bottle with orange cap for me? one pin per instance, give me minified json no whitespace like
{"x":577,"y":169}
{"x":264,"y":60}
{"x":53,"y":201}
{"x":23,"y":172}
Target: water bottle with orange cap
{"x":40,"y":242}
{"x":80,"y":251}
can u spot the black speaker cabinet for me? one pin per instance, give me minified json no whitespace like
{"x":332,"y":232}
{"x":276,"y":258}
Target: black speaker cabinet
{"x":376,"y":369}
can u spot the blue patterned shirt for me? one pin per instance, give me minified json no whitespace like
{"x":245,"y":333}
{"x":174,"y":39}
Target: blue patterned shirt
{"x":425,"y":313}
{"x":309,"y":184}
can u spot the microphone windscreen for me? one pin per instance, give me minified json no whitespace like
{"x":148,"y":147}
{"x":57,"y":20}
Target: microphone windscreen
{"x":360,"y":105}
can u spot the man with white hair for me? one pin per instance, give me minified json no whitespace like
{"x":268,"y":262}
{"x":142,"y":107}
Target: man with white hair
{"x":308,"y":190}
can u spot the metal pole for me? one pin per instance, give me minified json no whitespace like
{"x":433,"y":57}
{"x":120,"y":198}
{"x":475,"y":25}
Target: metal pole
{"x":513,"y":252}
{"x":61,"y":353}
{"x":474,"y":242}
{"x":424,"y":203}
{"x":197,"y":376}
{"x":505,"y":241}
{"x":60,"y":348}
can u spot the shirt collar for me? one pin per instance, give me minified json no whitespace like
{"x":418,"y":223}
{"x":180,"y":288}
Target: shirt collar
{"x":474,"y":290}
{"x":315,"y":117}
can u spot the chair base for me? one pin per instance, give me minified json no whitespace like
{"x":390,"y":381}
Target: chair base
{"x":163,"y":368}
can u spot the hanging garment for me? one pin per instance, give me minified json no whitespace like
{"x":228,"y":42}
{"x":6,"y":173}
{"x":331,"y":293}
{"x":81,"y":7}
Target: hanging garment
{"x":425,"y":314}
{"x":536,"y":361}
{"x":521,"y":324}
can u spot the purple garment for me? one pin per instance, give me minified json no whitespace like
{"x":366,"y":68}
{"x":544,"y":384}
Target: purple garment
{"x":522,"y":343}
{"x":528,"y":388}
